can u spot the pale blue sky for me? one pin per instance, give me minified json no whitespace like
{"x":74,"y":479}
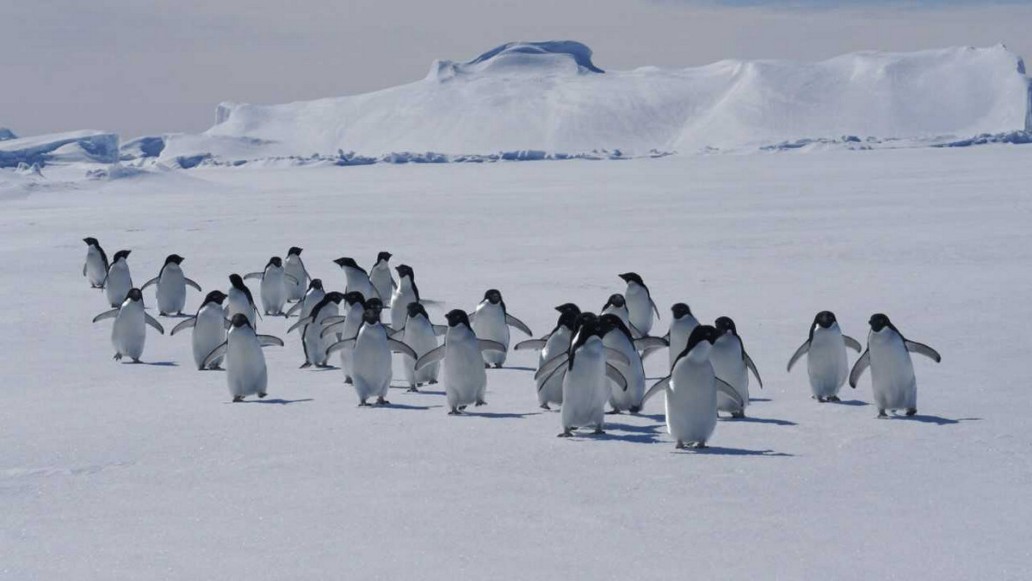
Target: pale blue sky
{"x":151,"y":66}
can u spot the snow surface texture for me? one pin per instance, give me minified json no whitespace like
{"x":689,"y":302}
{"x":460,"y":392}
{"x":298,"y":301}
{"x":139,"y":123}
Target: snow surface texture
{"x":71,"y":147}
{"x":111,"y":471}
{"x":550,"y":97}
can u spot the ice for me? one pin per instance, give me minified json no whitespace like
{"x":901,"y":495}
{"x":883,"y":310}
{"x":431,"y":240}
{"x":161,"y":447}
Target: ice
{"x":71,"y":147}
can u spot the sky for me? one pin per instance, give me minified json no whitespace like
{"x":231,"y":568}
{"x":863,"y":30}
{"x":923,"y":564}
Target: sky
{"x":144,"y":67}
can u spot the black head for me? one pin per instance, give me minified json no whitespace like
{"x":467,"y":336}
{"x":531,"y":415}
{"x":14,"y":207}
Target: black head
{"x":384,"y":256}
{"x":214,"y":297}
{"x":404,"y":270}
{"x":457,"y":317}
{"x":91,"y":241}
{"x":726,"y":325}
{"x":374,"y":304}
{"x":236,"y":281}
{"x":334,"y":297}
{"x":134,"y":294}
{"x":568,"y":320}
{"x":239,"y":320}
{"x":493,"y":296}
{"x":680,"y":310}
{"x":275,"y":261}
{"x":616,"y":300}
{"x":416,"y":309}
{"x":569,"y":308}
{"x":121,"y":254}
{"x":824,"y":319}
{"x":611,"y":322}
{"x":294,"y":251}
{"x":346,"y":261}
{"x":315,"y":284}
{"x":353,"y":298}
{"x":588,"y":326}
{"x":371,"y":316}
{"x":700,"y":334}
{"x":174,"y":259}
{"x":632,"y":277}
{"x":879,"y":321}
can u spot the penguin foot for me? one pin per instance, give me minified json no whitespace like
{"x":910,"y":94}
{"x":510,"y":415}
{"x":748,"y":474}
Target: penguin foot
{"x":117,"y":357}
{"x":738,"y":415}
{"x":348,"y":381}
{"x":135,"y":360}
{"x":487,"y":366}
{"x":882,"y":415}
{"x":262,"y":395}
{"x":834,"y":398}
{"x":599,"y":432}
{"x":363,"y":404}
{"x":433,"y":382}
{"x":323,"y":366}
{"x":412,"y":389}
{"x":238,"y":398}
{"x":381,"y":401}
{"x":700,"y":445}
{"x":305,"y":365}
{"x":567,"y":433}
{"x":498,"y":366}
{"x":480,"y":403}
{"x":821,"y":399}
{"x":161,"y":314}
{"x":635,"y":409}
{"x":455,"y":412}
{"x":613,"y":412}
{"x":462,"y":408}
{"x":544,"y":406}
{"x":680,"y":445}
{"x":911,"y":411}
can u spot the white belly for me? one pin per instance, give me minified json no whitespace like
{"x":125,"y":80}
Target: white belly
{"x":129,"y":332}
{"x":619,"y":312}
{"x":892,"y":372}
{"x":245,"y":364}
{"x":371,"y":372}
{"x":550,"y":389}
{"x":294,"y":267}
{"x":726,"y":357}
{"x":634,"y":372}
{"x":95,"y":269}
{"x":680,"y":330}
{"x":399,"y":305}
{"x":419,"y":335}
{"x":826,"y":362}
{"x":118,"y":283}
{"x":208,"y":333}
{"x":489,"y":323}
{"x":171,"y":290}
{"x":380,"y":277}
{"x":639,"y":308}
{"x":463,"y":372}
{"x":691,"y":404}
{"x":585,"y":388}
{"x":237,"y":303}
{"x":351,"y":326}
{"x":273,"y":291}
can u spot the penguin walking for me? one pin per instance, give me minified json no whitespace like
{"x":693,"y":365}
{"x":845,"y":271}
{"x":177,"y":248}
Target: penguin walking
{"x":421,"y":335}
{"x":640,"y":306}
{"x":209,"y":328}
{"x":129,"y":333}
{"x":96,"y":266}
{"x":463,"y":375}
{"x":118,"y":280}
{"x":892,"y":371}
{"x":557,"y":342}
{"x":691,"y":391}
{"x":732,"y":365}
{"x":681,"y":327}
{"x":357,"y":278}
{"x":617,"y":305}
{"x":313,"y":340}
{"x":404,"y":294}
{"x":625,"y":395}
{"x":491,"y":321}
{"x":371,"y":370}
{"x":346,"y":325}
{"x":274,"y":287}
{"x":313,"y":295}
{"x":172,"y":285}
{"x":246,"y":373}
{"x":295,"y":267}
{"x":240,"y":300}
{"x":826,"y":360}
{"x":380,"y":277}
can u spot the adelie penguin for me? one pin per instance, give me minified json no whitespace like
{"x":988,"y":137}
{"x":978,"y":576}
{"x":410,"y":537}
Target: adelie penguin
{"x":313,"y":338}
{"x":463,"y":375}
{"x":96,"y":266}
{"x":240,"y":301}
{"x":347,"y":324}
{"x":246,"y":373}
{"x":274,"y":287}
{"x":421,"y":335}
{"x":691,"y":391}
{"x":491,"y":321}
{"x":129,"y":333}
{"x":681,"y":326}
{"x":557,"y":342}
{"x":357,"y":278}
{"x":313,"y":295}
{"x":371,"y":369}
{"x":826,"y":360}
{"x":626,"y":395}
{"x":209,"y":329}
{"x":640,"y":306}
{"x":405,"y":294}
{"x":172,"y":285}
{"x":732,"y":364}
{"x":617,"y":305}
{"x":118,"y":280}
{"x":295,"y":267}
{"x":892,"y":371}
{"x":380,"y":276}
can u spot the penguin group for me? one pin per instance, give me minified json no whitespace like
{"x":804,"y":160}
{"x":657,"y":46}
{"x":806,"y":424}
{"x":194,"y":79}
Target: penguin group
{"x":587,"y":363}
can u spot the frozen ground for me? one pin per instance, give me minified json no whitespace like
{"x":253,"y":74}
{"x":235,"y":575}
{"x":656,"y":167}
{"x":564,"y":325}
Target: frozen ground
{"x":111,"y":471}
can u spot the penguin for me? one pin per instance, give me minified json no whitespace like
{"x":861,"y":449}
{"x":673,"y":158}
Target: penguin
{"x":463,"y":376}
{"x":371,"y":369}
{"x":626,"y":395}
{"x":681,"y":326}
{"x":357,"y":278}
{"x":491,"y":321}
{"x":732,"y":365}
{"x":96,"y":266}
{"x":381,"y":279}
{"x":240,"y":300}
{"x":550,"y":389}
{"x":172,"y":285}
{"x":313,"y":339}
{"x":346,"y":325}
{"x":406,"y":293}
{"x":295,"y":267}
{"x":421,"y":335}
{"x":892,"y":371}
{"x":274,"y":287}
{"x":691,"y":391}
{"x":825,"y":351}
{"x":640,"y":305}
{"x":617,"y":305}
{"x":313,"y":295}
{"x":118,"y":280}
{"x":209,"y":328}
{"x":129,"y":333}
{"x":246,"y":373}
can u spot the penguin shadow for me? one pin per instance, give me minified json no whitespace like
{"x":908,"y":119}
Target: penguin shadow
{"x":324,"y":368}
{"x":179,"y":316}
{"x":275,"y":401}
{"x":631,"y":433}
{"x":512,"y":368}
{"x":936,"y":420}
{"x":497,"y":415}
{"x":849,"y":402}
{"x":719,"y":451}
{"x":756,"y":399}
{"x":752,"y":420}
{"x":405,"y":406}
{"x":633,"y":438}
{"x":152,"y":363}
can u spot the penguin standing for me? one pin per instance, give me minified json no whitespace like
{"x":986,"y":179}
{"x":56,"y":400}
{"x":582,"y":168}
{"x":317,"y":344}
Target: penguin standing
{"x":357,"y":278}
{"x":625,"y":395}
{"x":640,"y":306}
{"x":691,"y":391}
{"x":209,"y":328}
{"x":617,"y":305}
{"x":421,"y":335}
{"x":892,"y":371}
{"x":118,"y":280}
{"x":371,"y":371}
{"x":295,"y":267}
{"x":246,"y":373}
{"x":491,"y":321}
{"x":732,"y":365}
{"x":313,"y":340}
{"x":96,"y":266}
{"x":550,"y":389}
{"x":240,"y":300}
{"x":346,"y":325}
{"x":681,"y":327}
{"x":826,"y":361}
{"x":129,"y":333}
{"x":171,"y":286}
{"x":274,"y":287}
{"x":463,"y":376}
{"x":380,"y":276}
{"x":313,"y":295}
{"x":406,"y":293}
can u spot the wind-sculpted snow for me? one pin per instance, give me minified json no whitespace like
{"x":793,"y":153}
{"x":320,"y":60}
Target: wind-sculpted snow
{"x":77,"y":146}
{"x":6,"y":134}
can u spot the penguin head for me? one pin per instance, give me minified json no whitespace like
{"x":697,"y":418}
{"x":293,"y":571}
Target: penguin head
{"x":680,"y":310}
{"x":726,"y":325}
{"x":384,"y":256}
{"x":214,"y":297}
{"x":174,"y":259}
{"x":371,"y":316}
{"x":616,"y":300}
{"x":121,"y":254}
{"x":493,"y":296}
{"x":294,"y":251}
{"x":568,"y":320}
{"x":587,"y":326}
{"x":569,"y":308}
{"x":315,"y":284}
{"x":353,"y":298}
{"x":374,"y":304}
{"x":275,"y":261}
{"x":700,"y":342}
{"x":630,"y":277}
{"x":347,"y":262}
{"x":404,"y":270}
{"x":91,"y":241}
{"x":134,"y":295}
{"x":824,"y":319}
{"x":457,"y":317}
{"x":237,"y":281}
{"x":416,"y":309}
{"x":239,"y":320}
{"x":879,"y":321}
{"x":334,"y":297}
{"x":610,"y":322}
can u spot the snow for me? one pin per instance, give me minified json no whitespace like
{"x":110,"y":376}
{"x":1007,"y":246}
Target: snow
{"x":6,"y":134}
{"x":551,"y":97}
{"x":113,"y":471}
{"x":72,"y":147}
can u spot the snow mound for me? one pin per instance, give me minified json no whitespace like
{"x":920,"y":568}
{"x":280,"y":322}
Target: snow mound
{"x":73,"y":147}
{"x":6,"y":134}
{"x":550,"y":97}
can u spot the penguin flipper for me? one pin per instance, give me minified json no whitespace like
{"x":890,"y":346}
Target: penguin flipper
{"x":655,"y":309}
{"x":536,"y":344}
{"x":216,"y":354}
{"x":194,"y":284}
{"x":852,"y":343}
{"x":301,"y":323}
{"x":297,"y":307}
{"x":560,"y":371}
{"x":614,"y":355}
{"x":440,"y":330}
{"x":107,"y":315}
{"x":752,"y":367}
{"x":661,"y":385}
{"x":432,"y":356}
{"x":184,"y":325}
{"x":340,"y":345}
{"x":269,"y":341}
{"x":489,"y":345}
{"x":254,"y":275}
{"x":292,"y":278}
{"x":858,"y":368}
{"x":649,"y":351}
{"x":150,"y":282}
{"x":650,"y":343}
{"x":154,"y":323}
{"x":614,"y":374}
{"x":726,"y":389}
{"x":802,"y":350}
{"x":399,"y":347}
{"x":332,"y":328}
{"x":635,"y":332}
{"x":84,"y":269}
{"x":922,"y":349}
{"x":333,"y":320}
{"x":551,"y":365}
{"x":514,"y":322}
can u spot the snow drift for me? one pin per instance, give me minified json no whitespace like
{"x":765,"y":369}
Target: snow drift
{"x":551,"y":97}
{"x":77,"y":146}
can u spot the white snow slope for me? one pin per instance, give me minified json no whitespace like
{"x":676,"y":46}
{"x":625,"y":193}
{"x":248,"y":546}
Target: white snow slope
{"x":75,"y":146}
{"x":550,"y":97}
{"x":112,"y":471}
